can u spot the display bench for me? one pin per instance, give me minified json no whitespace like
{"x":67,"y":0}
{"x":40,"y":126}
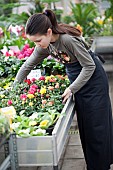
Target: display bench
{"x":46,"y":150}
{"x":39,"y":150}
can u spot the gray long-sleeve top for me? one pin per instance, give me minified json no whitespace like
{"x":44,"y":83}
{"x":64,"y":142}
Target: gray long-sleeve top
{"x":74,"y":49}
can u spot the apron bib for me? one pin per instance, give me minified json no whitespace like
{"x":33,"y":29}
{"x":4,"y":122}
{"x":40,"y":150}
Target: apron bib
{"x":94,"y":116}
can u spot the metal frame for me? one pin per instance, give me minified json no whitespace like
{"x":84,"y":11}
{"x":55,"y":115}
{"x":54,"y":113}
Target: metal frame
{"x":11,"y":157}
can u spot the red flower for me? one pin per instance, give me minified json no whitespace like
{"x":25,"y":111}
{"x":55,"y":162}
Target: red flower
{"x":33,"y":80}
{"x":9,"y":102}
{"x":28,"y":81}
{"x":42,"y":78}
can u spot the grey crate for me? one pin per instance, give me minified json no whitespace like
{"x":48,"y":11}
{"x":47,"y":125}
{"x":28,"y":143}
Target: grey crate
{"x":46,"y":150}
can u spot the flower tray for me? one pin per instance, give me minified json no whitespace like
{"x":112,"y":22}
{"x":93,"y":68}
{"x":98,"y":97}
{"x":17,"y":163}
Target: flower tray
{"x":46,"y":150}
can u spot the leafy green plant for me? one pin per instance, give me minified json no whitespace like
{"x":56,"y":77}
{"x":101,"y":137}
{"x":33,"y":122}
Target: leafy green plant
{"x":109,"y":11}
{"x":6,"y":9}
{"x":51,"y":66}
{"x":9,"y":66}
{"x":108,"y":22}
{"x":35,"y":125}
{"x":84,"y":14}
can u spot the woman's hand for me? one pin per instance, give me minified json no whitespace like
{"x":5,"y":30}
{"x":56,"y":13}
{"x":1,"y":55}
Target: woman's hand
{"x":67,"y":93}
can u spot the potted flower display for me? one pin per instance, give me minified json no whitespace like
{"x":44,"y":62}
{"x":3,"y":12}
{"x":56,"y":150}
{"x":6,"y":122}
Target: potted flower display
{"x":38,"y":104}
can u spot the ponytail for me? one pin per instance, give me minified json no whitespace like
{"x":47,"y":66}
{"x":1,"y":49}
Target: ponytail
{"x":41,"y":22}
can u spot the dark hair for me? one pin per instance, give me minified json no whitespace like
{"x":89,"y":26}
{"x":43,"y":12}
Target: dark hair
{"x":41,"y":22}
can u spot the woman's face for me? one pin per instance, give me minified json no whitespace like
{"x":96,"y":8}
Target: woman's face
{"x":42,"y":41}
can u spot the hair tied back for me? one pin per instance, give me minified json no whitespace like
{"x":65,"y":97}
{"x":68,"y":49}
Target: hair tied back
{"x":45,"y":13}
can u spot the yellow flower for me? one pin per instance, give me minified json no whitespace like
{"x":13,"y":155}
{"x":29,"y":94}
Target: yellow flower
{"x":43,"y":91}
{"x":52,"y":76}
{"x":44,"y":123}
{"x":30,"y":96}
{"x":2,"y":95}
{"x":100,"y":21}
{"x":6,"y":86}
{"x":47,"y":79}
{"x":32,"y":123}
{"x":13,"y":78}
{"x":30,"y":103}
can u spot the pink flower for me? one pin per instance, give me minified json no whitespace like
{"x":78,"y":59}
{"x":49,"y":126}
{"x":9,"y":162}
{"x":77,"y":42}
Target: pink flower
{"x":34,"y":86}
{"x":20,"y":56}
{"x":28,"y":52}
{"x":42,"y":78}
{"x":38,"y":90}
{"x":25,"y":52}
{"x":9,"y":102}
{"x":26,"y":46}
{"x":23,"y":96}
{"x":32,"y":91}
{"x":7,"y":54}
{"x":33,"y":80}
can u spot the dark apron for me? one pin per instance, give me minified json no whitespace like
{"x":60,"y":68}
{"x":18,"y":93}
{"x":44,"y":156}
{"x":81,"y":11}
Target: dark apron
{"x":94,"y":116}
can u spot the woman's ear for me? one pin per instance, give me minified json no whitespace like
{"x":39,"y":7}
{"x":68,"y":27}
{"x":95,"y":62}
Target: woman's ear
{"x":49,"y":31}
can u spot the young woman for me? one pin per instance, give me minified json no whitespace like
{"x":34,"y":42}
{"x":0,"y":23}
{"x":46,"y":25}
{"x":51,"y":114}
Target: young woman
{"x":88,"y":83}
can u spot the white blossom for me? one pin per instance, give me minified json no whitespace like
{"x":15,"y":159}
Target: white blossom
{"x":15,"y":125}
{"x":25,"y":131}
{"x":33,"y":116}
{"x":43,"y":131}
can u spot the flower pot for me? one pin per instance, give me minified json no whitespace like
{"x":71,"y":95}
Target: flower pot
{"x":49,"y":130}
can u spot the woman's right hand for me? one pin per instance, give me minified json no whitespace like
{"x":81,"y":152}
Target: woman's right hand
{"x":67,"y":93}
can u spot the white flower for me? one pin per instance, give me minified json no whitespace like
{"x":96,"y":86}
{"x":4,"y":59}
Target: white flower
{"x":22,"y":112}
{"x":15,"y":125}
{"x":11,"y":52}
{"x":38,"y":131}
{"x":15,"y":29}
{"x":34,"y":116}
{"x":4,"y":50}
{"x":25,"y":131}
